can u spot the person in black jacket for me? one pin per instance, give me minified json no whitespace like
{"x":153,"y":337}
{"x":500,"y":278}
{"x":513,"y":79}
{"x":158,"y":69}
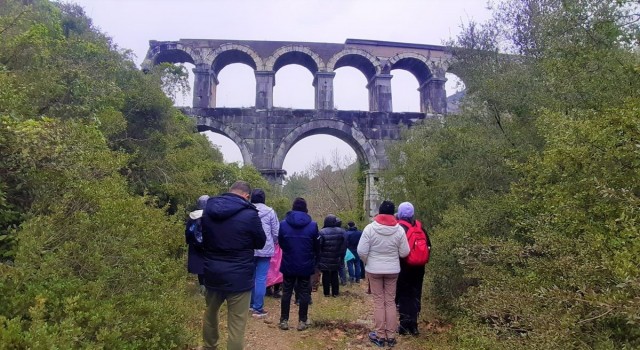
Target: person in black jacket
{"x":298,"y":237}
{"x":333,"y":246}
{"x":353,"y":238}
{"x":231,"y":230}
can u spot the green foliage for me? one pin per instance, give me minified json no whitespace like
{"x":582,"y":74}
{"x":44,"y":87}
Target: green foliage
{"x":532,"y":191}
{"x":94,"y":161}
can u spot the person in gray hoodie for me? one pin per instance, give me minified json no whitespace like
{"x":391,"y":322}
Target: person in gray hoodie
{"x":381,"y":246}
{"x":270,"y":225}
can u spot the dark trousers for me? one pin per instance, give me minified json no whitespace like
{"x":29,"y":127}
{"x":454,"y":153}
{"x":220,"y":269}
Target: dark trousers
{"x":409,"y":295}
{"x":330,"y":283}
{"x":303,"y":292}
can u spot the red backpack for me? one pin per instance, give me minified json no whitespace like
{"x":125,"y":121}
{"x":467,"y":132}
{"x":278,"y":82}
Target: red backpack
{"x":418,"y":247}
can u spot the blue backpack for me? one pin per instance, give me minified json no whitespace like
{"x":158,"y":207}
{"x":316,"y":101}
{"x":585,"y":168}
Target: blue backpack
{"x":193,"y":233}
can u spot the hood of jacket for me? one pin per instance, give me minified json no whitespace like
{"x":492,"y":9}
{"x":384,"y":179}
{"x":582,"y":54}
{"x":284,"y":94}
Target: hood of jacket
{"x":226,"y":205}
{"x":298,"y":218}
{"x":196,"y":214}
{"x":332,"y":221}
{"x":384,"y":224}
{"x":263,"y":209}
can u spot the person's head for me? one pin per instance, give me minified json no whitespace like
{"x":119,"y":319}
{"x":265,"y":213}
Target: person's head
{"x":299,"y":204}
{"x":258,"y":196}
{"x":405,"y":211}
{"x":332,"y":221}
{"x":241,"y":188}
{"x":351,"y":224}
{"x":202,"y":201}
{"x":387,"y":207}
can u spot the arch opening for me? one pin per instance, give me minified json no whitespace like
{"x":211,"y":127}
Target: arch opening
{"x":236,"y":86}
{"x":173,"y":56}
{"x":314,"y":148}
{"x":294,"y":88}
{"x":404,"y":89}
{"x":232,"y":57}
{"x":186,"y":97}
{"x":358,"y":62}
{"x":350,"y":89}
{"x":455,"y":92}
{"x":230,"y":151}
{"x":296,"y":57}
{"x":416,"y":67}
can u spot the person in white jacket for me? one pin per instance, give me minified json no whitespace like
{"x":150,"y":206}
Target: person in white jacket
{"x":270,"y":225}
{"x":381,"y":246}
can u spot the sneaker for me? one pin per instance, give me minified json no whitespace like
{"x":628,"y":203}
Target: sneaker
{"x":302,"y":325}
{"x":284,"y":325}
{"x":391,"y":342}
{"x":259,"y":313}
{"x":377,"y":341}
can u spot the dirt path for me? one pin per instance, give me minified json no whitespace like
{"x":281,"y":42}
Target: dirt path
{"x":341,"y":323}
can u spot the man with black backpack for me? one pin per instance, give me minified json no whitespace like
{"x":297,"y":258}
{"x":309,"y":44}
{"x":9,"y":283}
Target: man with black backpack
{"x":410,"y":279}
{"x":193,"y":237}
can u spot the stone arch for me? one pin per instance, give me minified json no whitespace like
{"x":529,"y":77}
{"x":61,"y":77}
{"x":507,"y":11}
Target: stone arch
{"x":295,"y":54}
{"x":347,"y":133}
{"x":360,"y":59}
{"x":173,"y":52}
{"x":414,"y":63}
{"x":233,"y":53}
{"x":209,"y":124}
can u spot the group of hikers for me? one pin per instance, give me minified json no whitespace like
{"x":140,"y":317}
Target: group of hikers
{"x":235,"y":238}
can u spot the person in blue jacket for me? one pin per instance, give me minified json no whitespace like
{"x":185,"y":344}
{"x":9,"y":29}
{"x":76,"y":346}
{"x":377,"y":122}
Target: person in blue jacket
{"x":298,"y":239}
{"x":231,"y":230}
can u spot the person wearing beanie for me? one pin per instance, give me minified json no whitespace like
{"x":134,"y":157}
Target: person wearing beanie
{"x":298,"y":239}
{"x":231,"y":231}
{"x":270,"y":225}
{"x":193,"y":237}
{"x":410,"y":279}
{"x":333,"y":247}
{"x":381,"y":246}
{"x":355,"y":266}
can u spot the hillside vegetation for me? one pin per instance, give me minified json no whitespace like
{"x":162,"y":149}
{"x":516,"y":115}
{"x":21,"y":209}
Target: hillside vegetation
{"x":532,"y":192}
{"x":96,"y":173}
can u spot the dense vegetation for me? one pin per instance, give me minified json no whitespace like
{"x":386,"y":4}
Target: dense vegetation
{"x":533,"y":191}
{"x":96,"y":173}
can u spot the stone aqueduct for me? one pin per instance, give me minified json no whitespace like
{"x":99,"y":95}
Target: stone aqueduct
{"x":265,"y":133}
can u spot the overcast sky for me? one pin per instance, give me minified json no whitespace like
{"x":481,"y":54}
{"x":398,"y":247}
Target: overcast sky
{"x":132,"y":23}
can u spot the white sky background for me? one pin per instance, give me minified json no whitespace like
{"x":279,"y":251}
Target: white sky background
{"x":132,"y":23}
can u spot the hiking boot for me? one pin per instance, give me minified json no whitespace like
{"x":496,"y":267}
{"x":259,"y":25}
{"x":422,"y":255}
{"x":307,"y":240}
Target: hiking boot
{"x":377,"y":341}
{"x":403,"y":330}
{"x":391,"y":342}
{"x":259,"y":313}
{"x":302,"y":325}
{"x":413,"y":330}
{"x":284,"y":325}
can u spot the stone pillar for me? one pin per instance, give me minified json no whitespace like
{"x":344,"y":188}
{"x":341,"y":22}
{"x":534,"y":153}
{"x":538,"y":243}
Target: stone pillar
{"x":380,"y":93}
{"x":323,"y":82}
{"x":371,"y":196}
{"x":265,"y":80}
{"x":274,"y":176}
{"x":204,"y":87}
{"x":433,"y":96}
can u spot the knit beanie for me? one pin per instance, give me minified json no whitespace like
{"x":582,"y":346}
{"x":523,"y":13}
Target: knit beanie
{"x":405,"y":210}
{"x":299,"y":204}
{"x":258,"y":196}
{"x":202,"y":201}
{"x":387,"y":207}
